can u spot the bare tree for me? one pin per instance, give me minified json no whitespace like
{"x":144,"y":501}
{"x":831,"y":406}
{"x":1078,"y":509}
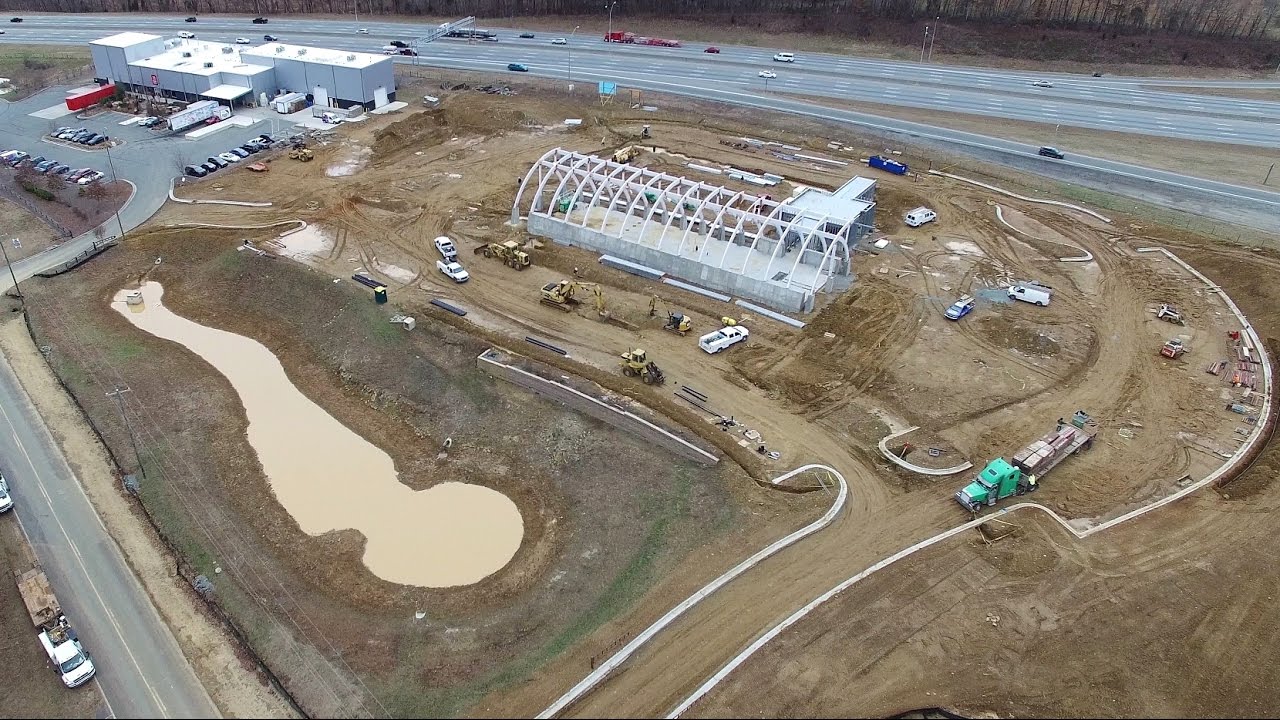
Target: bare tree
{"x":96,"y":192}
{"x":54,"y":183}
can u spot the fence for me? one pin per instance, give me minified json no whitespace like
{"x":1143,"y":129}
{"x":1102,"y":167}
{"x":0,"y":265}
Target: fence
{"x":24,"y":199}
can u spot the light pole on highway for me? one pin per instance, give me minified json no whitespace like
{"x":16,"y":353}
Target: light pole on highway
{"x":16,"y":289}
{"x":610,"y":8}
{"x":934,"y":38}
{"x":924,"y":42}
{"x":569,"y":47}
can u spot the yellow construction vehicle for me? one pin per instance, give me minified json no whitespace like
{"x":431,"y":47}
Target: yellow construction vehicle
{"x":561,"y":295}
{"x":303,"y":154}
{"x":508,"y":252}
{"x":677,"y":323}
{"x":635,"y":363}
{"x":626,"y":154}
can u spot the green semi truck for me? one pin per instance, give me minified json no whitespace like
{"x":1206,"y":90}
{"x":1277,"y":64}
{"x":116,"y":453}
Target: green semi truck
{"x":1001,"y":478}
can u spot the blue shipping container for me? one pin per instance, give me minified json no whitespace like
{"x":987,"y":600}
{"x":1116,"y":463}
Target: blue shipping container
{"x":887,"y":165}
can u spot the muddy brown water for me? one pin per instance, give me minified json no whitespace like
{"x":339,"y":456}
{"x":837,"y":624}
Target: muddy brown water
{"x":330,"y":478}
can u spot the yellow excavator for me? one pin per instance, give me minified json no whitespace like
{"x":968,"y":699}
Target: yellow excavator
{"x":561,"y":295}
{"x":636,"y":363}
{"x":626,"y":154}
{"x":677,"y":323}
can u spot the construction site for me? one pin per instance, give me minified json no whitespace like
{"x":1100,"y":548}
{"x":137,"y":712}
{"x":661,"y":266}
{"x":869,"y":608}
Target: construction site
{"x":675,"y":338}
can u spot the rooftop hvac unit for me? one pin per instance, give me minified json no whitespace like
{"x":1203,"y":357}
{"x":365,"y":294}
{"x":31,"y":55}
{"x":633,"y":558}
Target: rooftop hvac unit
{"x":302,"y":51}
{"x":208,"y":64}
{"x":186,"y":54}
{"x":279,"y":49}
{"x":351,"y":58}
{"x":228,"y":50}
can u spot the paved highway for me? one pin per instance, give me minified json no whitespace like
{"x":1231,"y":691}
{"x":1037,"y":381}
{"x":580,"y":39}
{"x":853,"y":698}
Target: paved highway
{"x":141,"y":670}
{"x":1135,"y":105}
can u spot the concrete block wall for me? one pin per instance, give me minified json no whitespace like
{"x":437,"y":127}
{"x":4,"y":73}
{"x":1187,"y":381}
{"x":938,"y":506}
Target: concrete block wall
{"x":790,"y":300}
{"x":491,"y":363}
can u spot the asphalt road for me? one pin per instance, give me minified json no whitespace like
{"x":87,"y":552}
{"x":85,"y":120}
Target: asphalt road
{"x":1121,"y":104}
{"x":141,"y":670}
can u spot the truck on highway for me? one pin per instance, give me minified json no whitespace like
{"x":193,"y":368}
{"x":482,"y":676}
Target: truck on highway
{"x":1001,"y":478}
{"x":633,"y":39}
{"x":66,"y":655}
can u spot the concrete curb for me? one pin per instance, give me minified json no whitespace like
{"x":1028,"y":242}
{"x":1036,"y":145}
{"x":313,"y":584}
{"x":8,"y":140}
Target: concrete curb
{"x":1087,"y":257}
{"x":1002,"y":191}
{"x":608,"y":666}
{"x":937,"y":472}
{"x":1238,"y":457}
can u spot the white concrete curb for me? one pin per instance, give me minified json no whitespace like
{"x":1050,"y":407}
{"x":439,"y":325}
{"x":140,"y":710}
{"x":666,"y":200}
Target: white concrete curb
{"x":241,"y":203}
{"x":1228,"y":466}
{"x":608,"y":666}
{"x":884,"y":450}
{"x":1002,"y":191}
{"x":1086,"y":257}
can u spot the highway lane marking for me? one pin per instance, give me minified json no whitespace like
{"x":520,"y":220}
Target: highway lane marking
{"x":76,"y":550}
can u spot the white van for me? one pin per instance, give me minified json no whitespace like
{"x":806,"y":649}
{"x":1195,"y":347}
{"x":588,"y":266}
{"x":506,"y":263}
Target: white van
{"x":1031,"y":293}
{"x":784,"y":57}
{"x":920,"y":216}
{"x":446,"y":249}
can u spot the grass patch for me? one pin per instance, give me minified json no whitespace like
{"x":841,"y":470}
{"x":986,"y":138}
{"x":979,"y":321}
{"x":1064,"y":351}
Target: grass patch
{"x":409,"y":699}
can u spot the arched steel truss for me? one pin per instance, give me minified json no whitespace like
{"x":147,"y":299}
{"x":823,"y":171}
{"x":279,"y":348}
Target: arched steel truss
{"x":597,"y":188}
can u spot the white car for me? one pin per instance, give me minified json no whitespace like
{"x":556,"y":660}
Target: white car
{"x":1042,"y":83}
{"x":714,"y":342}
{"x":363,"y":31}
{"x":784,"y":57}
{"x":6,"y":500}
{"x":92,"y":177}
{"x":186,"y":35}
{"x":243,"y":41}
{"x":768,"y":74}
{"x":229,"y":157}
{"x":453,"y":270}
{"x":560,"y":41}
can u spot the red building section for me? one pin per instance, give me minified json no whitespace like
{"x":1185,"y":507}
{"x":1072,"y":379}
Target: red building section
{"x":80,"y":101}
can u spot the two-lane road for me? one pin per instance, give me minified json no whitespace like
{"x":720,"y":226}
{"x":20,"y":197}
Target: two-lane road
{"x":141,"y":670}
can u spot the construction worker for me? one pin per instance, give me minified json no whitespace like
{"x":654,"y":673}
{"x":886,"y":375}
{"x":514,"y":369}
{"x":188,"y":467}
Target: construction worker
{"x":653,"y":303}
{"x":576,"y":272}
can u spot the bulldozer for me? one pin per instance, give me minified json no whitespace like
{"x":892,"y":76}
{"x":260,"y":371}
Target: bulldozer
{"x":508,"y":252}
{"x":303,"y":154}
{"x":636,"y":363}
{"x":626,"y":154}
{"x":677,"y":323}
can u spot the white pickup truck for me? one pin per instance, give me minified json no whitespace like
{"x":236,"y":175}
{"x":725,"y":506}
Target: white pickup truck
{"x":59,"y":640}
{"x":714,"y":342}
{"x":6,"y":500}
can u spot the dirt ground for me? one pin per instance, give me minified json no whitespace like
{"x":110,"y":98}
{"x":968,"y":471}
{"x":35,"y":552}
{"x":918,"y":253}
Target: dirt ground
{"x":73,"y":211}
{"x":33,"y":235}
{"x":605,"y":551}
{"x":31,"y":688}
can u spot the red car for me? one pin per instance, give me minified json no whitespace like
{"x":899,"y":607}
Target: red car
{"x":713,"y":50}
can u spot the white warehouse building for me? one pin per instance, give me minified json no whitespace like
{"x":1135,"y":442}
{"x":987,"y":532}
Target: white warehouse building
{"x":191,"y":70}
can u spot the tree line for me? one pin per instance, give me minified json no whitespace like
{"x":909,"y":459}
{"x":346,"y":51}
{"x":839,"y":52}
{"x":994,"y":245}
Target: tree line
{"x":1219,"y":18}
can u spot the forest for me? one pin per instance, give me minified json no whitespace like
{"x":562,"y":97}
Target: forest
{"x":1252,"y":19}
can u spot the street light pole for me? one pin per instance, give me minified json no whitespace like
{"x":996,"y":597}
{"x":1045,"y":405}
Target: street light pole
{"x":612,"y":5}
{"x":17,"y":289}
{"x":924,"y":42}
{"x":569,"y":47}
{"x":934,"y":39}
{"x":112,"y":167}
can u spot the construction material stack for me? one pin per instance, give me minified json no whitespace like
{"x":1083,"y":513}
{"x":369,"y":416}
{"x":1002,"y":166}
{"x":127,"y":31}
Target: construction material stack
{"x":55,"y":634}
{"x":1001,"y":478}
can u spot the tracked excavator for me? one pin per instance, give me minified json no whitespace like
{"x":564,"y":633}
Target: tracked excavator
{"x":677,"y":323}
{"x":561,"y":295}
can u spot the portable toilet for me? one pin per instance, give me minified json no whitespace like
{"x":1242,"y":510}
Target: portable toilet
{"x":380,"y":295}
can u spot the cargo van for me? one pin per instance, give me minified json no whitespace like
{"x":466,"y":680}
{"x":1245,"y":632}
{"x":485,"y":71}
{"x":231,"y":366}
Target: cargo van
{"x":920,"y":216}
{"x":1031,"y":293}
{"x":784,"y":57}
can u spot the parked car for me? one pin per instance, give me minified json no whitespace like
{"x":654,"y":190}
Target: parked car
{"x":713,"y":50}
{"x":243,"y":41}
{"x":960,"y":307}
{"x":526,"y":36}
{"x":229,"y":157}
{"x":212,"y":120}
{"x":768,"y":74}
{"x":1031,"y":293}
{"x":209,"y":167}
{"x":920,"y":216}
{"x":97,"y":140}
{"x":190,"y":19}
{"x":238,"y":152}
{"x":36,"y":160}
{"x":77,"y":174}
{"x":1052,"y":152}
{"x":784,"y":57}
{"x":219,"y":161}
{"x":266,"y":138}
{"x":446,"y":248}
{"x":16,"y":159}
{"x":91,"y":177}
{"x":45,"y":166}
{"x":270,"y":38}
{"x":559,"y":41}
{"x":518,"y":67}
{"x":259,"y":21}
{"x":1042,"y":83}
{"x":81,"y":135}
{"x":453,"y":271}
{"x":195,"y":171}
{"x":187,"y":35}
{"x":60,"y":170}
{"x":250,"y":149}
{"x":714,"y":342}
{"x":6,"y":500}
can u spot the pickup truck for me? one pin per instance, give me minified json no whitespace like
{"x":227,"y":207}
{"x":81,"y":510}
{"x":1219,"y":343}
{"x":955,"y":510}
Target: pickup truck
{"x":6,"y":500}
{"x":714,"y":342}
{"x":66,"y":655}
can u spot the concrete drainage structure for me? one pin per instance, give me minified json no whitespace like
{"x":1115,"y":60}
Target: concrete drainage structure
{"x":732,"y":241}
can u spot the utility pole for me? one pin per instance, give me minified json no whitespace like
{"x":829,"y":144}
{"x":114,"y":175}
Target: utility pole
{"x":23,"y":298}
{"x":119,"y":396}
{"x":924,"y":42}
{"x":112,"y":166}
{"x":569,"y":47}
{"x":933,"y":39}
{"x":610,"y":8}
{"x":1264,"y":180}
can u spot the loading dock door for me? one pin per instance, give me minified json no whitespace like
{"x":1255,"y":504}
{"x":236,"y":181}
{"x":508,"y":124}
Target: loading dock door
{"x":380,"y":97}
{"x":320,"y":96}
